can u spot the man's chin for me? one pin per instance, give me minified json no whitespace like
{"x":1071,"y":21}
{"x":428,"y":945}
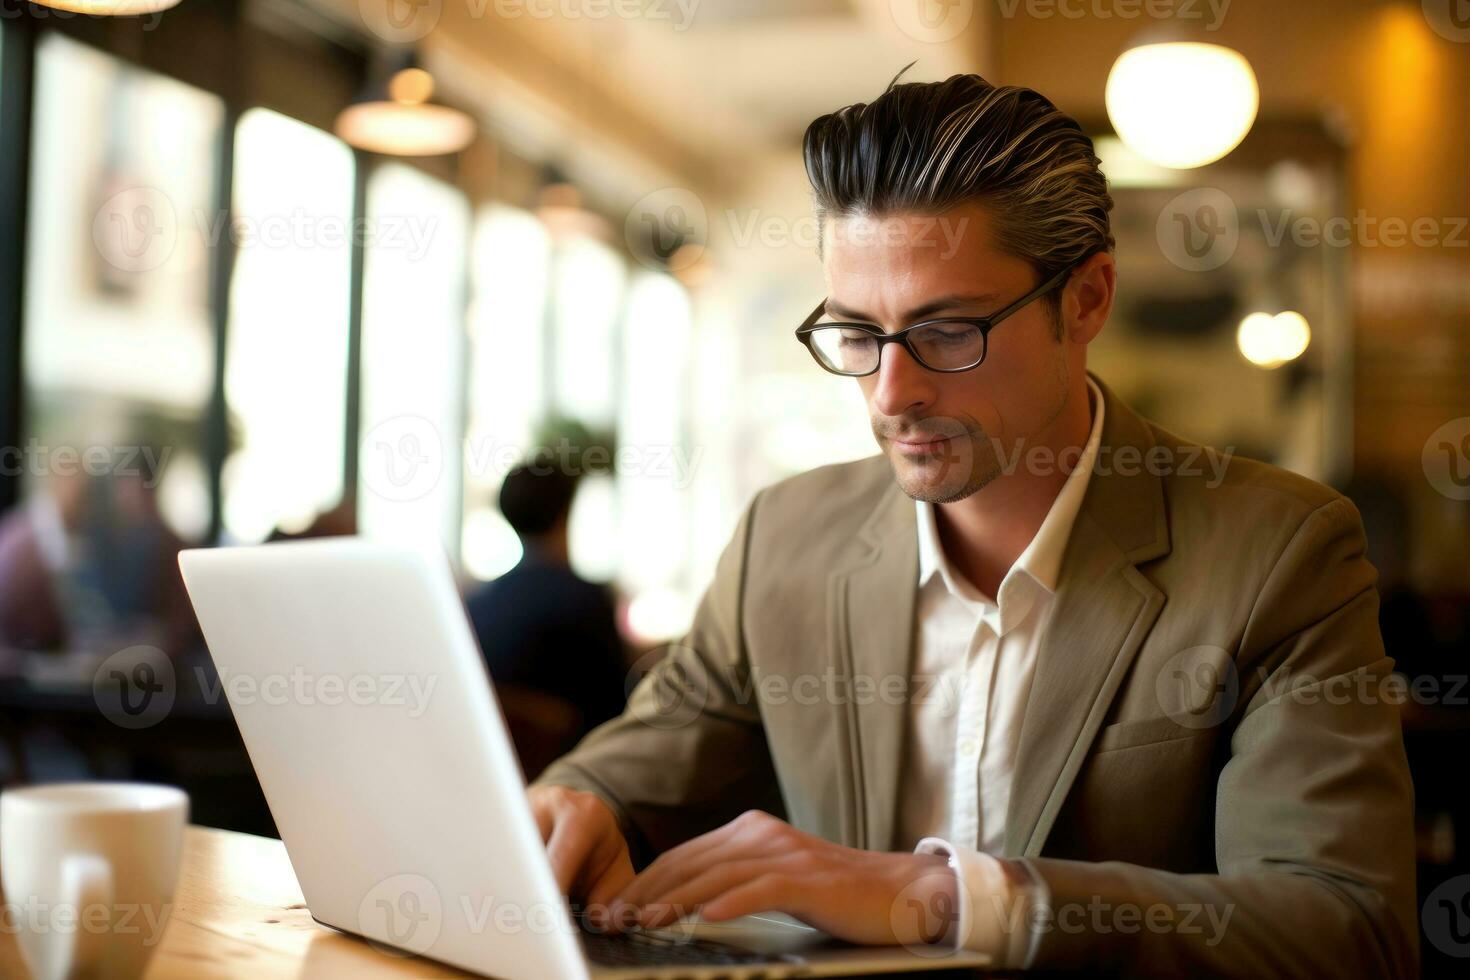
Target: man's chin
{"x":933,"y":479}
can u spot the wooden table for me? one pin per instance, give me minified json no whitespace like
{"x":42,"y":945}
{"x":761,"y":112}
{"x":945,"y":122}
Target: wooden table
{"x":238,"y":912}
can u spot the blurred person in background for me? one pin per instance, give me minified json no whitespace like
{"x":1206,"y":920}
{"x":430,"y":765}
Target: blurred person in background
{"x":35,"y":544}
{"x":549,"y":636}
{"x":88,"y":563}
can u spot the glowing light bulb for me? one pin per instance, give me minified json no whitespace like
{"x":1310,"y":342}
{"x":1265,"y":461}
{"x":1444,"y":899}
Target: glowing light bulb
{"x":1271,"y":341}
{"x":1182,"y":104}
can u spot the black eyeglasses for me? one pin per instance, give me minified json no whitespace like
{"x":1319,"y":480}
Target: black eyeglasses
{"x":949,"y":344}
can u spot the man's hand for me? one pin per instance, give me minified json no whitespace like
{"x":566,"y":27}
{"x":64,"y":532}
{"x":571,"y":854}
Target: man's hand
{"x":757,"y":863}
{"x":585,"y":844}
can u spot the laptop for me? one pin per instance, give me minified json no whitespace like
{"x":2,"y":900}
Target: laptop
{"x":367,"y":711}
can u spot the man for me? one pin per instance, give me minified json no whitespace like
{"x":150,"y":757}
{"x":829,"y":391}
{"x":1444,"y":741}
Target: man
{"x":1042,"y":679}
{"x":544,"y":629}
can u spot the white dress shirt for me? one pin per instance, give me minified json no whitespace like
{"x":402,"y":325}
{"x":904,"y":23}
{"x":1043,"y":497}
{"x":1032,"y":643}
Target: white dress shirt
{"x":977,"y":657}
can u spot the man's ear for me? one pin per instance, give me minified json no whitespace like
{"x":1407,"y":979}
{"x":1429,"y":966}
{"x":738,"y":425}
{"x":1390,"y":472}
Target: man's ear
{"x":1088,"y":298}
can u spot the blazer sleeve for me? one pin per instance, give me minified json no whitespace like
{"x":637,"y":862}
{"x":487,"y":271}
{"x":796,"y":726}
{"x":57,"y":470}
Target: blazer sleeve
{"x":1314,"y":833}
{"x":688,"y":753}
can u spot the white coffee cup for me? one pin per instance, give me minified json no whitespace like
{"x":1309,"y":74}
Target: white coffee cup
{"x":89,"y":871}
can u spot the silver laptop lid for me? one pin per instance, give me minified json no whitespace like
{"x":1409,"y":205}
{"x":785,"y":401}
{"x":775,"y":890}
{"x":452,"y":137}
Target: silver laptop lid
{"x":363,"y":702}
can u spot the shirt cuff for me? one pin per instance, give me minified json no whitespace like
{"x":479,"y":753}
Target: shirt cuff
{"x":996,"y":900}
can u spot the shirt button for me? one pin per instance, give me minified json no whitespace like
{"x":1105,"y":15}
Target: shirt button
{"x":968,"y":747}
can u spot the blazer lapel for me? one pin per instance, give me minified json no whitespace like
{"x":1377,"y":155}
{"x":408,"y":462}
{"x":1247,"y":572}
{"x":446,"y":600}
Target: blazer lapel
{"x":872,"y":607}
{"x":1103,"y":609}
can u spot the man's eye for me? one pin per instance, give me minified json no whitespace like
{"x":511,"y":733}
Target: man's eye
{"x":955,"y":335}
{"x":853,"y":338}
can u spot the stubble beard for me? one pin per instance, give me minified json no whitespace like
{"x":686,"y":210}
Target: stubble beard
{"x":967,"y":464}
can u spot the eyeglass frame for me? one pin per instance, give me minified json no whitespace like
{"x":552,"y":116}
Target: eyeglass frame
{"x":984,"y":323}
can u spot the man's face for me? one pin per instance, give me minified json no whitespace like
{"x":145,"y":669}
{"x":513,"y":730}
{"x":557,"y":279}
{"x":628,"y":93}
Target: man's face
{"x":947,"y":435}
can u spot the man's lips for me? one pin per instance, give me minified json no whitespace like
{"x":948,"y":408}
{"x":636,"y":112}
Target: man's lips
{"x":923,"y":445}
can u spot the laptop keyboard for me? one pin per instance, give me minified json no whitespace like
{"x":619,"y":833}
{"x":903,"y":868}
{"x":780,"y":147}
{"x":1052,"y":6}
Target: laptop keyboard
{"x":637,"y":948}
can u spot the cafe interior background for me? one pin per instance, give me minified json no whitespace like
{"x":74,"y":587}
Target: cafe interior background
{"x":272,"y":268}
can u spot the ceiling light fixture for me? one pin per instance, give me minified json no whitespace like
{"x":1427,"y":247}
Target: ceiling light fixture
{"x":109,"y":8}
{"x":1182,"y":104}
{"x":395,"y":117}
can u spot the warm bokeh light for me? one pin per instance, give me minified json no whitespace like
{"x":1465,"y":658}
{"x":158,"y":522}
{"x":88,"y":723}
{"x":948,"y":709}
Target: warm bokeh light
{"x":1270,"y":341}
{"x":405,"y":130}
{"x":1125,"y":168}
{"x":1402,"y":58}
{"x":109,"y":8}
{"x":1182,"y":104}
{"x":411,"y":86}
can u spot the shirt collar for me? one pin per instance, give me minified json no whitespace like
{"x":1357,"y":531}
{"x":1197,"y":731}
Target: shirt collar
{"x":1042,"y":560}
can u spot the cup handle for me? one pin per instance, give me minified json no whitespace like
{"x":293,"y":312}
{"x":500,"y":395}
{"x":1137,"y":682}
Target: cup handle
{"x":86,"y":884}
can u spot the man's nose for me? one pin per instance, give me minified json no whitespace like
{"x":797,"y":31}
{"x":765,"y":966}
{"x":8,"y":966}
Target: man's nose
{"x":903,"y":384}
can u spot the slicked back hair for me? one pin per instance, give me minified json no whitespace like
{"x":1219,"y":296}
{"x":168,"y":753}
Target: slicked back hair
{"x":925,"y":147}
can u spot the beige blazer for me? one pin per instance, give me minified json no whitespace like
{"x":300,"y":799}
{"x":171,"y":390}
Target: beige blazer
{"x":1208,"y":729}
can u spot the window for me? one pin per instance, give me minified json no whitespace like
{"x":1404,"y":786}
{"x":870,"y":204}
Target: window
{"x":506,"y":394}
{"x":586,"y":297}
{"x":119,"y":345}
{"x":413,"y":343}
{"x":454,"y":388}
{"x":656,"y":472}
{"x":286,"y":346}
